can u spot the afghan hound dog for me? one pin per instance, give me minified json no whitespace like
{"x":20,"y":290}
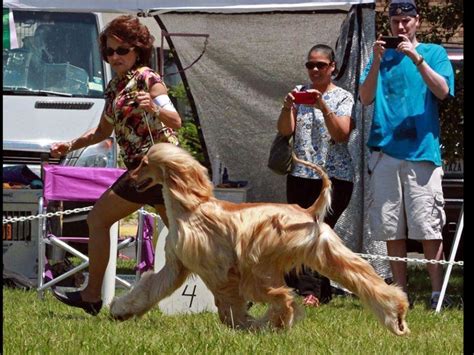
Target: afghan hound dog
{"x":242,"y":251}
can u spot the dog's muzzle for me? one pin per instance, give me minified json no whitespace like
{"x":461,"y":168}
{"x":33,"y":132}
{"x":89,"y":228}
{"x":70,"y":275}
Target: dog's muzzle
{"x":141,"y":186}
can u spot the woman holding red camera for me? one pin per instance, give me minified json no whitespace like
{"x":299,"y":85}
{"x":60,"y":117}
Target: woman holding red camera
{"x":321,"y":130}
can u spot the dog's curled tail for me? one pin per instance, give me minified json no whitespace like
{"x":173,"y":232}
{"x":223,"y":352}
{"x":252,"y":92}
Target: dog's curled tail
{"x":322,"y":205}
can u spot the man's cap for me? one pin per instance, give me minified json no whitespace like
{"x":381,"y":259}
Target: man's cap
{"x":402,"y":8}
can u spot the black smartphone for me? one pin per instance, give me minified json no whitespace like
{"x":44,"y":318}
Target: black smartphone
{"x":391,"y":41}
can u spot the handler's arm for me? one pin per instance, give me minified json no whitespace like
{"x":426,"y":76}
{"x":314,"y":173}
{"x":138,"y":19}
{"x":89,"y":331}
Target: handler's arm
{"x":93,"y":136}
{"x":171,"y":119}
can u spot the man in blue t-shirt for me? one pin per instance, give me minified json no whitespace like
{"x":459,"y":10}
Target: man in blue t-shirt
{"x":405,"y":193}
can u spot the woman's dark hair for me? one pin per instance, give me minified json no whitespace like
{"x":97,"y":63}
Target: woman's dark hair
{"x":328,"y":51}
{"x":128,"y":29}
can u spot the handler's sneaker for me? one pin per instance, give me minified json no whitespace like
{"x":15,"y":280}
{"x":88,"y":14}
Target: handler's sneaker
{"x":74,"y":299}
{"x":447,"y":302}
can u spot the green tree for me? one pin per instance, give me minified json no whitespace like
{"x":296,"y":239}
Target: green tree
{"x":440,"y":23}
{"x":188,"y":134}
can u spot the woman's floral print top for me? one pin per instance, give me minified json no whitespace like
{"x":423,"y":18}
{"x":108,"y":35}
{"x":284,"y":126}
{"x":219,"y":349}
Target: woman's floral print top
{"x":132,"y":131}
{"x":313,"y":142}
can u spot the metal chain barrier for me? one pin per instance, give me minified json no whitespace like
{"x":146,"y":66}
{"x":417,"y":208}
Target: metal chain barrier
{"x":420,"y":261}
{"x":365,"y":256}
{"x":47,"y":215}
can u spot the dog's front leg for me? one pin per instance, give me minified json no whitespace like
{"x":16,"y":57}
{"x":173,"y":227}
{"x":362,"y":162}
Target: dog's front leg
{"x":151,"y":289}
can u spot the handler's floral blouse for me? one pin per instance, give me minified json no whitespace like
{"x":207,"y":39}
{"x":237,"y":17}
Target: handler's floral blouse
{"x":129,"y":121}
{"x":313,"y":142}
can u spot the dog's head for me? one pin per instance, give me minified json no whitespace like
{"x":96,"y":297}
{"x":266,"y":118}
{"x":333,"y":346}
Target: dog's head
{"x":176,"y":169}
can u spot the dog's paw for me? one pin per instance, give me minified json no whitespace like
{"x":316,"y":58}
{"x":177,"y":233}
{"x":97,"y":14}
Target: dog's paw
{"x":118,"y":312}
{"x":398,"y":326}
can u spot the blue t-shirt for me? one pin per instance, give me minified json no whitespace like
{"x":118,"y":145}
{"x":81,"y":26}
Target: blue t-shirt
{"x":406,"y":121}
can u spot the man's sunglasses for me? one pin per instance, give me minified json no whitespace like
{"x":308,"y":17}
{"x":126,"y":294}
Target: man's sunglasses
{"x":319,"y":65}
{"x":120,"y":51}
{"x":405,"y":7}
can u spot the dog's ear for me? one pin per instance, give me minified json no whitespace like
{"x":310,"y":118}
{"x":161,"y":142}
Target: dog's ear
{"x":189,"y":183}
{"x":160,"y":174}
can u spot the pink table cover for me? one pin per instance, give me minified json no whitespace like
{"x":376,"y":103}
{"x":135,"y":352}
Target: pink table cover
{"x":68,"y":183}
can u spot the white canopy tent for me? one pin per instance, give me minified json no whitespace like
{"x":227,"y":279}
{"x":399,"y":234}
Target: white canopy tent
{"x":222,"y":6}
{"x":255,"y":55}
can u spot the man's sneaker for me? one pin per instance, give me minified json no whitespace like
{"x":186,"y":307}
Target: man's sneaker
{"x":447,"y":302}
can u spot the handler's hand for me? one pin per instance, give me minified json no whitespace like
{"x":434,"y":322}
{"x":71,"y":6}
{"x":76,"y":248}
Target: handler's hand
{"x":145,"y":101}
{"x":59,"y":149}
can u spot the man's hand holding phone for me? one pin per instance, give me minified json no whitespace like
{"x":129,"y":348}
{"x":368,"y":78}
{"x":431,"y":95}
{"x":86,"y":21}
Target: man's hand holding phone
{"x":391,"y":41}
{"x":384,"y":42}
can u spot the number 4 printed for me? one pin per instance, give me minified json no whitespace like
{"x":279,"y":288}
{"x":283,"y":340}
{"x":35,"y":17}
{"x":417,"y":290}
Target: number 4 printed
{"x":192,"y":295}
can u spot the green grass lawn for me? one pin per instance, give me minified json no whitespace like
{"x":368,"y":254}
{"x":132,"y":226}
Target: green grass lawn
{"x":32,"y":326}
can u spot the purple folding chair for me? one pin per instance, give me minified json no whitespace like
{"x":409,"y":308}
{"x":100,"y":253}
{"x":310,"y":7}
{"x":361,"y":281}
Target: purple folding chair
{"x":65,"y":183}
{"x":147,"y":251}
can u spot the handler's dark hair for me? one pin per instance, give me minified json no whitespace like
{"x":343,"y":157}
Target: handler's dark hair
{"x":128,"y":29}
{"x":328,"y":51}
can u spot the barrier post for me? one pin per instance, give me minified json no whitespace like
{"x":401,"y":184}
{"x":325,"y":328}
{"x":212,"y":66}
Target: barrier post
{"x":139,"y":242}
{"x":452,"y":256}
{"x":108,"y":284}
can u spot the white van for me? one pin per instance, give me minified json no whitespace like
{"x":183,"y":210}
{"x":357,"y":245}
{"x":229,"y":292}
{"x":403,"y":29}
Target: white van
{"x":53,"y":90}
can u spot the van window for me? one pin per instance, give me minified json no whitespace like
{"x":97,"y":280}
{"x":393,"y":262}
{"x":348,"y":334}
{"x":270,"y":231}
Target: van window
{"x":57,"y":52}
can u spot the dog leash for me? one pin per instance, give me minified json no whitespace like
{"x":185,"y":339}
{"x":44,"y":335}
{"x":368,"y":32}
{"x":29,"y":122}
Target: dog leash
{"x":145,"y":116}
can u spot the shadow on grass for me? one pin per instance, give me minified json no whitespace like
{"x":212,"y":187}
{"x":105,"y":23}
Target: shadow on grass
{"x":419,"y":288}
{"x":419,"y":285}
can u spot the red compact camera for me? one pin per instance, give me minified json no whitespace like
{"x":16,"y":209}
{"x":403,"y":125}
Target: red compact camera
{"x":304,"y":98}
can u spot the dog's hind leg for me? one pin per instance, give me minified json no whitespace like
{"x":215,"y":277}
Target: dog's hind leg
{"x":283,"y":311}
{"x":264,"y":283}
{"x":151,"y":288}
{"x":337,"y":262}
{"x":233,"y":312}
{"x":231,"y":305}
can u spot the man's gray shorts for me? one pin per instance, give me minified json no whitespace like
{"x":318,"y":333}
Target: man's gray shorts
{"x":405,"y":194}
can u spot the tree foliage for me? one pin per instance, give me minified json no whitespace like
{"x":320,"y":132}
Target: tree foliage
{"x":188,"y":134}
{"x":440,"y":24}
{"x":452,"y":121}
